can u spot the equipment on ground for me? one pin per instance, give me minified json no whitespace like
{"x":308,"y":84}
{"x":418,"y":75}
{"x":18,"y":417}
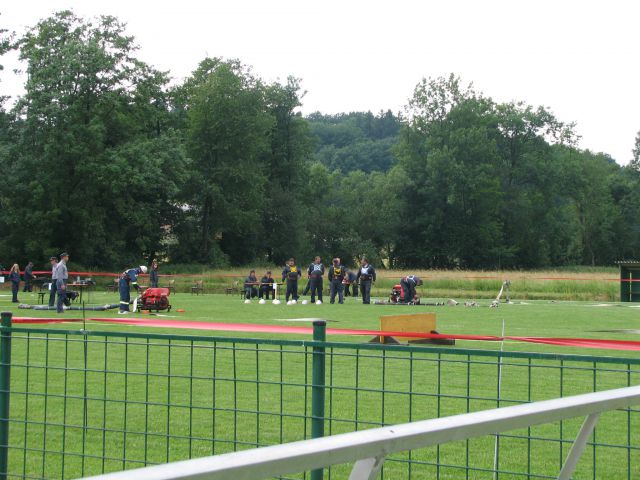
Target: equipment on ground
{"x":496,"y":303}
{"x":95,"y":308}
{"x":154,"y":299}
{"x":397,"y":296}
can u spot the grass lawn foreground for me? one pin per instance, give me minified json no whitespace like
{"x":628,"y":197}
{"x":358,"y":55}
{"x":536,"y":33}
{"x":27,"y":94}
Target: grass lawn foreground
{"x":189,"y":398}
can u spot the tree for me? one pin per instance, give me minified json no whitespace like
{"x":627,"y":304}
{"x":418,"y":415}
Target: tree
{"x":635,"y":161}
{"x":227,"y":138}
{"x":90,"y":115}
{"x":483,"y":186}
{"x":355,"y":141}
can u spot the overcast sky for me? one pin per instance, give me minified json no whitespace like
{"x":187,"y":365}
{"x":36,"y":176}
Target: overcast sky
{"x":579,"y":58}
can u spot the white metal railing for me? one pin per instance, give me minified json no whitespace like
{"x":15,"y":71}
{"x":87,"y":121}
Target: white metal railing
{"x":368,"y":448}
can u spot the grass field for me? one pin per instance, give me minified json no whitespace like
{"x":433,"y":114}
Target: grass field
{"x":192,"y":396}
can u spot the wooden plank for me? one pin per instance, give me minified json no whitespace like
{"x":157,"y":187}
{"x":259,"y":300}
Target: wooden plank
{"x":415,"y":322}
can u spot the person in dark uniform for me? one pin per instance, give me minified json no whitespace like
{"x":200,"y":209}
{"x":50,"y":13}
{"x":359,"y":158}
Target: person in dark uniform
{"x":336,"y":276}
{"x":351,"y":284}
{"x":409,"y":284}
{"x":366,"y":275}
{"x":291,"y":274}
{"x":266,"y":286}
{"x":52,"y":288}
{"x":128,"y":279}
{"x":62,"y":277}
{"x":316,"y":272}
{"x":14,"y":278}
{"x":28,"y":277}
{"x":153,"y":274}
{"x":250,"y":285}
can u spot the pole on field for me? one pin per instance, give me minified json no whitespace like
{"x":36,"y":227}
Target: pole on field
{"x":5,"y":384}
{"x":318,"y":387}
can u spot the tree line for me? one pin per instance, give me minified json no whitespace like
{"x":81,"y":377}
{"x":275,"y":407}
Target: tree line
{"x":102,"y":156}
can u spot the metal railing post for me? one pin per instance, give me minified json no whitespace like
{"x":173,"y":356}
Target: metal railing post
{"x":5,"y":387}
{"x":318,"y":387}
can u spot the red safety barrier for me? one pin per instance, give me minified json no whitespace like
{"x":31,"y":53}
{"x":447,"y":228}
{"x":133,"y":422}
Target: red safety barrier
{"x":258,"y":328}
{"x":297,"y":330}
{"x":37,"y":320}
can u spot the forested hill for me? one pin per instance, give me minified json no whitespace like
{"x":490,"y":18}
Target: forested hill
{"x":355,"y":141}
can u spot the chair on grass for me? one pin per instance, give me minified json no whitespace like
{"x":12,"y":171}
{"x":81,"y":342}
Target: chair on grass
{"x":198,"y":288}
{"x":113,"y":286}
{"x":171,"y":286}
{"x":232,"y":289}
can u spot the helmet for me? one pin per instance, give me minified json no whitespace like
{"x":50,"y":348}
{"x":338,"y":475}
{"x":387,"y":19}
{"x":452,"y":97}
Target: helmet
{"x":143,"y":269}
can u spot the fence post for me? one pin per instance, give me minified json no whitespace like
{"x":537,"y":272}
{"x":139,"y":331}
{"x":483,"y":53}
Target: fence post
{"x":5,"y":386}
{"x":318,"y":387}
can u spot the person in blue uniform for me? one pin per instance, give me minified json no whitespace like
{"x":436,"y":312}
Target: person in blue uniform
{"x":62,"y":277}
{"x":153,"y":274}
{"x":52,"y":288}
{"x":266,"y":286}
{"x":350,"y":284}
{"x":316,"y":272}
{"x":250,"y":285}
{"x":336,"y":276}
{"x":291,"y":273}
{"x":128,"y":279}
{"x":409,"y":284}
{"x":14,"y":278}
{"x":366,"y":275}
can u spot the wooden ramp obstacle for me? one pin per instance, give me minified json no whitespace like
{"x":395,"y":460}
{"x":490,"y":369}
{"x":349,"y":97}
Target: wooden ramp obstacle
{"x":415,"y":322}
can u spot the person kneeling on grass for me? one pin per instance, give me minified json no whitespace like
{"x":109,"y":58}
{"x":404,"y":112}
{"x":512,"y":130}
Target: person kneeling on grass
{"x":409,"y":284}
{"x":128,"y":279}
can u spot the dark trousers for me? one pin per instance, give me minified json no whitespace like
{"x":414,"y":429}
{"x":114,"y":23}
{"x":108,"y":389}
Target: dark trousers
{"x":408,"y":291}
{"x":292,"y":290}
{"x":365,"y":288}
{"x":316,"y":287}
{"x":15,"y":286}
{"x":265,"y":290}
{"x":351,"y":289}
{"x":250,"y":292}
{"x":61,"y":288}
{"x":27,"y":286}
{"x":52,"y":293}
{"x":336,"y":287}
{"x":125,"y":294}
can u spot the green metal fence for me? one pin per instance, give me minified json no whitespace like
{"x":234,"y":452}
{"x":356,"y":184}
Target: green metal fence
{"x":86,"y":402}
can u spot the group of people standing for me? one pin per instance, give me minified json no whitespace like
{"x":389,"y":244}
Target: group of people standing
{"x":338,"y":277}
{"x":59,"y":279}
